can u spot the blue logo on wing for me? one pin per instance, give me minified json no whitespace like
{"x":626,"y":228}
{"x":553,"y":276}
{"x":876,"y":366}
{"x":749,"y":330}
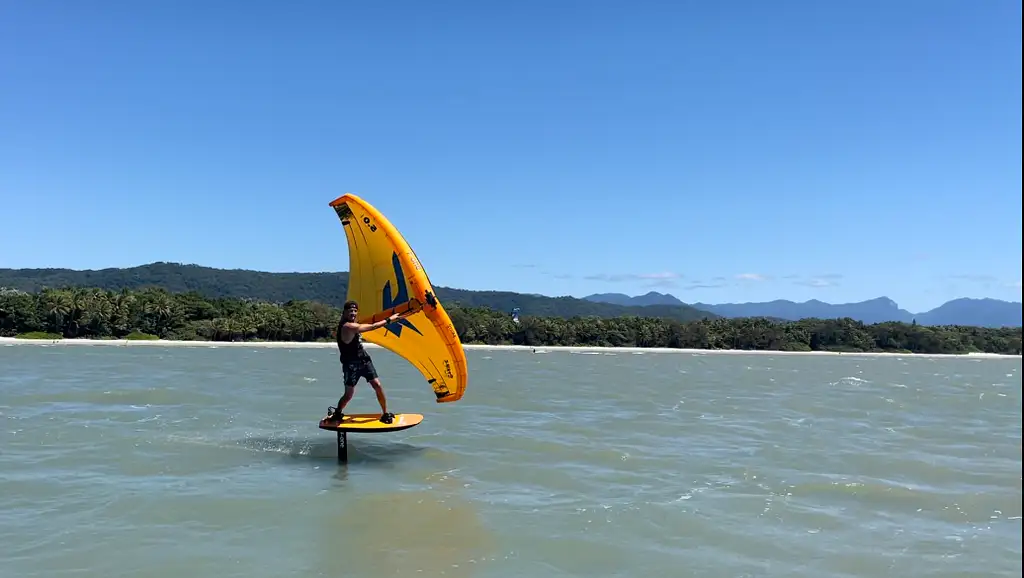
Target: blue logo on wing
{"x":401,"y":297}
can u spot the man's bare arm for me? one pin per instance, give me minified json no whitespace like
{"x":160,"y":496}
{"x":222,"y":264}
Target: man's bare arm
{"x":364,"y":327}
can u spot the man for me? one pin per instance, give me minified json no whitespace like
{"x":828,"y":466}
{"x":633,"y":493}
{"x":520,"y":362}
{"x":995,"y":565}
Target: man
{"x":356,"y":362}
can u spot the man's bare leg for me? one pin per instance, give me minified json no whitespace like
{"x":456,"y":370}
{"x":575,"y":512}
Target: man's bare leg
{"x":349,"y":392}
{"x":385,"y":415}
{"x":381,"y":399}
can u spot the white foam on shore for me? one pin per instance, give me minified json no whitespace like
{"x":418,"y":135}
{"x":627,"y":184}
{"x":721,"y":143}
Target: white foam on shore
{"x":10,"y":341}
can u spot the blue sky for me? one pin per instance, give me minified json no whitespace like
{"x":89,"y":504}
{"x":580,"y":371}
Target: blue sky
{"x":720,"y":151}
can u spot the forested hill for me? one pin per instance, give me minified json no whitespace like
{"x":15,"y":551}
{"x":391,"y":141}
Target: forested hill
{"x":326,"y":288}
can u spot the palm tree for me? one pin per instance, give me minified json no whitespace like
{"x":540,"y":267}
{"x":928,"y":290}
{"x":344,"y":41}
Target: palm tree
{"x":57,"y":304}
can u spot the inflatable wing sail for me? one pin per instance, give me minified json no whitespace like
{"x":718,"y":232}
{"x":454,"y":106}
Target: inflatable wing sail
{"x":385,"y":277}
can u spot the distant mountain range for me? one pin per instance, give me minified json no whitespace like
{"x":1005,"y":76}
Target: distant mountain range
{"x":331,"y":288}
{"x":964,"y":311}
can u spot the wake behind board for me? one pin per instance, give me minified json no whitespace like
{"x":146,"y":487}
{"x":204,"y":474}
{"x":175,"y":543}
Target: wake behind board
{"x":370,"y":423}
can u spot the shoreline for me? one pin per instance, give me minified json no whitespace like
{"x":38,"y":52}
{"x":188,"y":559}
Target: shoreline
{"x":10,"y":341}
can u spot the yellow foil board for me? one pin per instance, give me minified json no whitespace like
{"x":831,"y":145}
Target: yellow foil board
{"x":370,"y":423}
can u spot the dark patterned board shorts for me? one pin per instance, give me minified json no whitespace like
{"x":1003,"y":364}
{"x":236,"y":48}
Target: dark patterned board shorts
{"x":353,"y":370}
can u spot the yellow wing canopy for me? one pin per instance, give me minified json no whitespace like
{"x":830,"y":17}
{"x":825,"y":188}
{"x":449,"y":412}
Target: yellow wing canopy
{"x":385,"y":277}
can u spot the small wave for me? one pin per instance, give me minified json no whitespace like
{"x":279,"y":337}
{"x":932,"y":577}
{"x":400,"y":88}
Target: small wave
{"x":850,"y":380}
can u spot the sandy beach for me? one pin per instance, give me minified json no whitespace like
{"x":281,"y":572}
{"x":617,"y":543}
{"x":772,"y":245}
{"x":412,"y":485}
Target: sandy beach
{"x":11,"y":341}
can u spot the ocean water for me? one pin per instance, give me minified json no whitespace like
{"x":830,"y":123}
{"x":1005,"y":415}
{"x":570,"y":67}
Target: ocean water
{"x":199,"y":461}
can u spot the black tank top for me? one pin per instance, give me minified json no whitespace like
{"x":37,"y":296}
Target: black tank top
{"x":351,"y":351}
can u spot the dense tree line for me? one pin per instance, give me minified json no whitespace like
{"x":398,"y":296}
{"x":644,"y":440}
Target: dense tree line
{"x":99,"y":313}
